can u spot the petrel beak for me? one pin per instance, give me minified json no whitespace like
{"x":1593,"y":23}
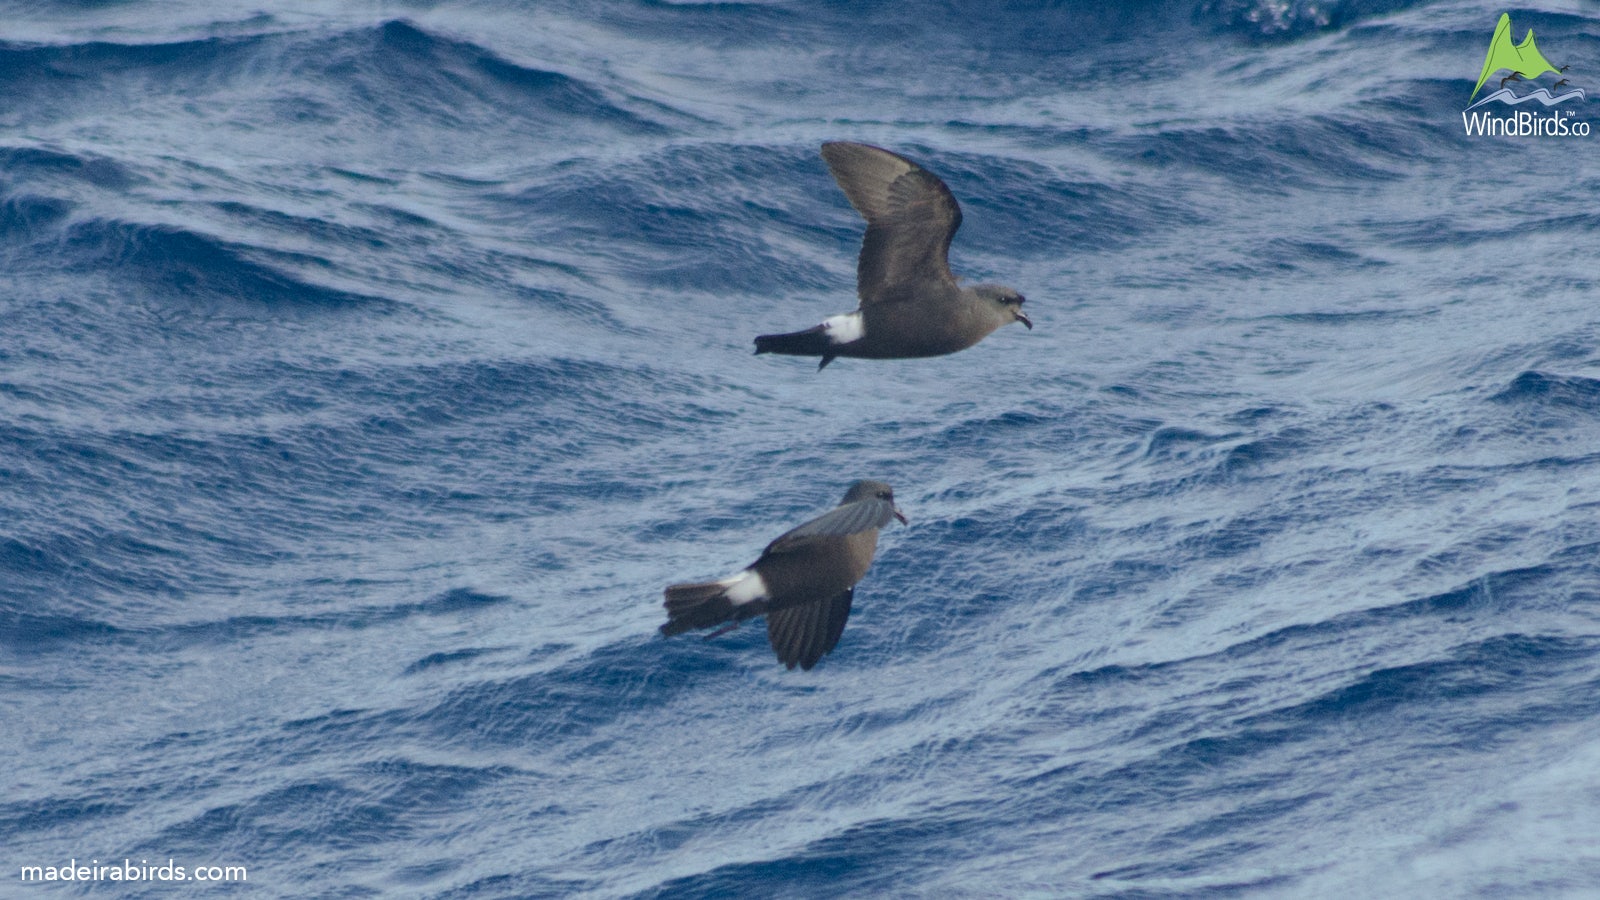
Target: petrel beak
{"x":1024,"y":320}
{"x":900,"y":515}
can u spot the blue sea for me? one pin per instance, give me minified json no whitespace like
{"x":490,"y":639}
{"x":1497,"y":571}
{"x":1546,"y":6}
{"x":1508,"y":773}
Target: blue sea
{"x":367,"y":369}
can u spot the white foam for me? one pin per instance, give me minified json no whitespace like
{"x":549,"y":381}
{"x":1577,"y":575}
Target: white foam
{"x":843,"y":329}
{"x":744,"y":587}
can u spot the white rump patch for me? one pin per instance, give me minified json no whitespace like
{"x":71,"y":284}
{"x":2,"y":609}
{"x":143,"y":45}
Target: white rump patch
{"x":744,"y":587}
{"x":844,"y":328}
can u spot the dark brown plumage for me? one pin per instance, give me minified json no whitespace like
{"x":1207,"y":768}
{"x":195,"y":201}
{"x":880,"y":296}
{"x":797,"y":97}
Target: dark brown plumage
{"x":803,"y":583}
{"x":911,"y":303}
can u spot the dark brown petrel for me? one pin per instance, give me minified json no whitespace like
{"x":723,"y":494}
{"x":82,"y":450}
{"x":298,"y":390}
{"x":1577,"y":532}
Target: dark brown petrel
{"x":803,"y":582}
{"x":911,"y":304}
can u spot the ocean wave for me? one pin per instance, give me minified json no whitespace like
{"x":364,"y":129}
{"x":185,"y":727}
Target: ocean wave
{"x":384,"y":73}
{"x":674,"y":218}
{"x":181,"y":265}
{"x":1283,"y":19}
{"x":1301,"y":152}
{"x":571,"y":700}
{"x":22,"y":216}
{"x":36,"y":165}
{"x":442,"y":77}
{"x":1541,"y":389}
{"x":241,"y":628}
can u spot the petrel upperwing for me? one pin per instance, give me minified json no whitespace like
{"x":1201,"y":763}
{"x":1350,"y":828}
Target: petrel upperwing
{"x":911,"y":217}
{"x":841,"y":521}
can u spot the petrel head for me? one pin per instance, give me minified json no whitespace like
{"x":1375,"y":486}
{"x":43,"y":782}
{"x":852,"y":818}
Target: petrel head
{"x":873,"y":490}
{"x":1008,"y":302}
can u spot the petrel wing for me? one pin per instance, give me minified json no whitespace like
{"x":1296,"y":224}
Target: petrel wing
{"x":911,"y":217}
{"x":843,"y":520}
{"x":801,"y":635}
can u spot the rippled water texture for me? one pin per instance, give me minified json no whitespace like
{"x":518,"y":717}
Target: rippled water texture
{"x":368,"y":369}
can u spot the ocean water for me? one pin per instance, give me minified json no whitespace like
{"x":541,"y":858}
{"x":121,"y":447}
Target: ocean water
{"x":367,"y":369}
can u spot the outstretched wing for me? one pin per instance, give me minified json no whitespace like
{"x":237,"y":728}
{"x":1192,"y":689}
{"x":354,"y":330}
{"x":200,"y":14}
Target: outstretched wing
{"x":911,"y":217}
{"x":801,"y":635}
{"x":841,"y":521}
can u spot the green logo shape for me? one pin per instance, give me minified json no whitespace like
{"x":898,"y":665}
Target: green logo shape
{"x":1522,"y":59}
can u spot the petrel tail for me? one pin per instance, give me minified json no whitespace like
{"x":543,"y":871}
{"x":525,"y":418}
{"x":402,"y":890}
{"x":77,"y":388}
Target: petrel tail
{"x":811,"y":342}
{"x":691,"y":606}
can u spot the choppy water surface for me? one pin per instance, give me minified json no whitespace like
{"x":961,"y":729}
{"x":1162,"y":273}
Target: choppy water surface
{"x":368,"y":369}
